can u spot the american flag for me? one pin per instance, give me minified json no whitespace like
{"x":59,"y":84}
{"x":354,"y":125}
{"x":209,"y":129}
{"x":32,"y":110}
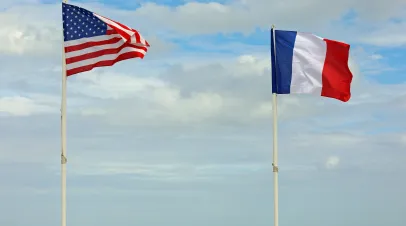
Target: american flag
{"x":91,"y":40}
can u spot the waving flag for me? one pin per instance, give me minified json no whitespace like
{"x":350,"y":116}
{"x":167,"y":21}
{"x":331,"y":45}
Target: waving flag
{"x":91,"y":40}
{"x":305,"y":63}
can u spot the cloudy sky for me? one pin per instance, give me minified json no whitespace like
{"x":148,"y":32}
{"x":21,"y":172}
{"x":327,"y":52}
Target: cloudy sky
{"x":184,"y":137}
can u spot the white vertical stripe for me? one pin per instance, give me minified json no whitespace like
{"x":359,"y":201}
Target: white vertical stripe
{"x":309,"y":55}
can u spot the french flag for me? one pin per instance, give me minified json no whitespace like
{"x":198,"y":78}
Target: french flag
{"x":304,"y":63}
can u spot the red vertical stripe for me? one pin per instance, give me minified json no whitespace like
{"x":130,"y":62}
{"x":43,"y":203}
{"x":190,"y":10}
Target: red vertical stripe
{"x":337,"y":76}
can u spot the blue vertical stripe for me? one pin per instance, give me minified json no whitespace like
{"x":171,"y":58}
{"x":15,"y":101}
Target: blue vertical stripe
{"x":282,"y":67}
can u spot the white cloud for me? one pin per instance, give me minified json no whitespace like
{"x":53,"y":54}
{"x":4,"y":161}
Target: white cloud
{"x":193,"y":124}
{"x":234,"y":89}
{"x":245,"y":16}
{"x":9,"y":3}
{"x":332,"y":162}
{"x":376,"y":56}
{"x":24,"y":106}
{"x":113,"y":85}
{"x":193,"y":90}
{"x":171,"y":172}
{"x":339,"y":141}
{"x":403,"y":139}
{"x":193,"y":94}
{"x":20,"y":34}
{"x":388,"y":34}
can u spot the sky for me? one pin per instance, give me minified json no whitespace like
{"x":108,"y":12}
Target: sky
{"x":184,"y":136}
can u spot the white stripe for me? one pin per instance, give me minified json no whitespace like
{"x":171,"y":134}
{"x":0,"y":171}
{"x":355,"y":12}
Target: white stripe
{"x":91,"y":39}
{"x":309,"y":55}
{"x":103,"y":58}
{"x":133,"y":40}
{"x":142,"y":40}
{"x":124,"y":28}
{"x":94,"y":49}
{"x":108,"y":21}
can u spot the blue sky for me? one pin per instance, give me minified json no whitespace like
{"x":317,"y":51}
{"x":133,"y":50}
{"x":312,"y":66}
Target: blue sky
{"x":184,"y":136}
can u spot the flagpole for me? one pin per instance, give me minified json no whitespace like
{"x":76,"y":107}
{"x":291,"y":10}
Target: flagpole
{"x":63,"y":137}
{"x":275,"y":168}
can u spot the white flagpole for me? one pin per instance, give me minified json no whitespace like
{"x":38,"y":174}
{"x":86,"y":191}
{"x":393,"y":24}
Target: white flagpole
{"x":275,"y":146}
{"x":63,"y":138}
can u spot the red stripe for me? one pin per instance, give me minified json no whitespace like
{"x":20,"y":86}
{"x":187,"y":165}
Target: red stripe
{"x":336,"y":75}
{"x":137,"y":35}
{"x":121,"y":32}
{"x":91,"y":44}
{"x":122,"y":25}
{"x":111,"y":32}
{"x":101,"y":53}
{"x":106,"y":63}
{"x":117,"y":29}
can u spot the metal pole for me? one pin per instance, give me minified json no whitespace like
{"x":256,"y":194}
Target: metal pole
{"x":275,"y":168}
{"x":63,"y":138}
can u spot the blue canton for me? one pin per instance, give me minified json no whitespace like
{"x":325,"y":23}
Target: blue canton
{"x":80,"y":23}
